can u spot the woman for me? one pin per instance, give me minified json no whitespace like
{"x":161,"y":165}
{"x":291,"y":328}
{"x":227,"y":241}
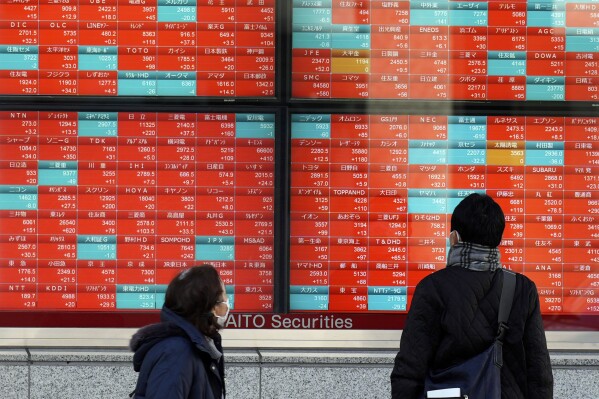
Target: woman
{"x":182,"y":356}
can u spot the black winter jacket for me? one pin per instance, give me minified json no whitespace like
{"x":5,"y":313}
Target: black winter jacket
{"x":175,"y":361}
{"x":453,"y":316}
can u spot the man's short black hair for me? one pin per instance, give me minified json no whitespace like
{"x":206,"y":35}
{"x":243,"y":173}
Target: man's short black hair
{"x":479,"y":220}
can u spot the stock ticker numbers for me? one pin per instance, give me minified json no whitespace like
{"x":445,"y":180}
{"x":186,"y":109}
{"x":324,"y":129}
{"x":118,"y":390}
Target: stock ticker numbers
{"x":99,"y":210}
{"x":209,"y":48}
{"x":446,"y":50}
{"x":372,"y":197}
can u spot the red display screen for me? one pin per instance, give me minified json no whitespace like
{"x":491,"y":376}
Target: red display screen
{"x":514,"y":50}
{"x":372,"y":195}
{"x":100,"y":210}
{"x":207,"y":48}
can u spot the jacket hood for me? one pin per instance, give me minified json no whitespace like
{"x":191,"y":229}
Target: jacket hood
{"x":171,"y":325}
{"x":145,"y":339}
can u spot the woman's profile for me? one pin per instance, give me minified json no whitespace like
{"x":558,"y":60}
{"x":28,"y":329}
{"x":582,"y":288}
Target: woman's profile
{"x":182,"y":356}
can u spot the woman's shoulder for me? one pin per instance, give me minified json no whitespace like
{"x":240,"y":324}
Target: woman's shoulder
{"x":174,"y":344}
{"x":177,"y":352}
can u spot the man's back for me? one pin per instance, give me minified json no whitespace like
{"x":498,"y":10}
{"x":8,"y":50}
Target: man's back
{"x":453,"y":317}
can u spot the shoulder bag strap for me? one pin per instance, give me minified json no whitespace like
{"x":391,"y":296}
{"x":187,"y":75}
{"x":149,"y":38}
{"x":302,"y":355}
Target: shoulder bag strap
{"x":505,"y":306}
{"x":507,"y":298}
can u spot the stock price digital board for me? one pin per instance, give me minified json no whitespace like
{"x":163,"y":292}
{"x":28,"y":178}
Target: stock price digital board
{"x":372,"y":197}
{"x":513,"y":50}
{"x":208,"y":48}
{"x":100,"y":210}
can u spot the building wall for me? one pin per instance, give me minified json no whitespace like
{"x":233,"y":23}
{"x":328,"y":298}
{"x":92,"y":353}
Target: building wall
{"x":251,"y":374}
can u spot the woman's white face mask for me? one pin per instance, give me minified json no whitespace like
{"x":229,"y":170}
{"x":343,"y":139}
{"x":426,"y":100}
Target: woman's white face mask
{"x":222,"y":319}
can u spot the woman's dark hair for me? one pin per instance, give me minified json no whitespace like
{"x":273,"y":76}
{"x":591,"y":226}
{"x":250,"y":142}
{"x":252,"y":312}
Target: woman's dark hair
{"x":193,"y":293}
{"x":479,"y":220}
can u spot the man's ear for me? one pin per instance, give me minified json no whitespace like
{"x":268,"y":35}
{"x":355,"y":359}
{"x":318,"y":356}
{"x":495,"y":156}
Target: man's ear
{"x":454,"y":237}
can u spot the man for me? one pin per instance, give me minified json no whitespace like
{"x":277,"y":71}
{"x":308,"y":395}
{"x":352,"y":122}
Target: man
{"x":453,"y":315}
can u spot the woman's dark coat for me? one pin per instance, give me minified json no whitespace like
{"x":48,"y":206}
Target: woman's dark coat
{"x":453,"y":316}
{"x":175,"y":361}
